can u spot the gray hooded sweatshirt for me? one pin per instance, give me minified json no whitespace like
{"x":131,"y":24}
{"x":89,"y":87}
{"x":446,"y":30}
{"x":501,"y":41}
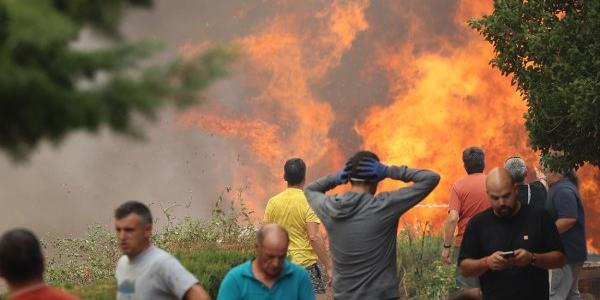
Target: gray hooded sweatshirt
{"x":362,"y":231}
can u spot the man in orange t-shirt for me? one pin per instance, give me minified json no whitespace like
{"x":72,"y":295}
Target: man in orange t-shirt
{"x":467,"y":198}
{"x":22,"y":266}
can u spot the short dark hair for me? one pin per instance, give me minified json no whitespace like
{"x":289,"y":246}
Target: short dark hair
{"x":294,"y":171}
{"x":474,"y":160}
{"x":355,"y":160}
{"x":134,"y":207}
{"x":21,"y":257}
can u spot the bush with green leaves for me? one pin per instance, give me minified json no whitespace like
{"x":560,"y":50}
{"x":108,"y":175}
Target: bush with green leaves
{"x":79,"y":262}
{"x":551,"y":50}
{"x":210,"y":266}
{"x":422,"y":273}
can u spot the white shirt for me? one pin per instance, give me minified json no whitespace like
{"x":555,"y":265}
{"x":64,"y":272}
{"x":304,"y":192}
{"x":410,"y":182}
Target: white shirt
{"x":153,"y":274}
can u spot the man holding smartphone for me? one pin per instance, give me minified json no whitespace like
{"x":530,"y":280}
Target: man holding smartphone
{"x":510,"y":247}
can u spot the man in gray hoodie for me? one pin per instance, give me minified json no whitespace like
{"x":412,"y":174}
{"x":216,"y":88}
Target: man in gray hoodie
{"x":362,"y":226}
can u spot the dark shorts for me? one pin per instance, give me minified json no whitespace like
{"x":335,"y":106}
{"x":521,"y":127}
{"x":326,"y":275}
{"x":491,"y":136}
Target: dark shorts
{"x":314,"y":272}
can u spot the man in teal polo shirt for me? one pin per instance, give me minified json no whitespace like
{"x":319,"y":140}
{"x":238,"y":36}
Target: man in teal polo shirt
{"x":270,"y":275}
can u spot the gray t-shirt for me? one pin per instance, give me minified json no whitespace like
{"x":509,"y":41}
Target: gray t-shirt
{"x":153,"y":274}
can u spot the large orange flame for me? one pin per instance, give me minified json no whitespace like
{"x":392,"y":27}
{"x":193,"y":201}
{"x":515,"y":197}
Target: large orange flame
{"x":285,"y":118}
{"x":442,"y":97}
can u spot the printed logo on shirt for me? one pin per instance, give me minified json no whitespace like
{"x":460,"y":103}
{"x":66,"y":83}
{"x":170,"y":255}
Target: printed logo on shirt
{"x":126,"y":290}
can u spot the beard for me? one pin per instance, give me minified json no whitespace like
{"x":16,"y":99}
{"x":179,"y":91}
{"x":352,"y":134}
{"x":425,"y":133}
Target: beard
{"x":505,"y":211}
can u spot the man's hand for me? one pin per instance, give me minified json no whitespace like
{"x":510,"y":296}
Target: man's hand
{"x":329,"y":276}
{"x":496,"y":262}
{"x":343,"y":175}
{"x":446,"y":255}
{"x":372,"y":169}
{"x":522,"y":258}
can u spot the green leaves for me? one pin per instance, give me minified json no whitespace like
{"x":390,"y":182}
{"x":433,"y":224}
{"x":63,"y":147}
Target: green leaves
{"x":49,"y":88}
{"x":551,"y":50}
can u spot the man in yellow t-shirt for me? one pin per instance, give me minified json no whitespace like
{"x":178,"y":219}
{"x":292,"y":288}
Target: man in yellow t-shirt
{"x":290,"y":209}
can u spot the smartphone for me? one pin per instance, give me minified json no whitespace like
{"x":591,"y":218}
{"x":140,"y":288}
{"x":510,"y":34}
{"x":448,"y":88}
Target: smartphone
{"x":508,"y":254}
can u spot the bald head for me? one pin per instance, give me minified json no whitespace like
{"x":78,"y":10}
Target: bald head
{"x":272,"y":234}
{"x":502,"y":192}
{"x":498,"y":178}
{"x":271,"y":249}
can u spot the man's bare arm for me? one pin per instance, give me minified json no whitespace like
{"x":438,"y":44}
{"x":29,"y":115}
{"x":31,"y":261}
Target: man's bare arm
{"x":550,"y":260}
{"x":564,"y":224}
{"x":450,"y":226}
{"x":318,"y":244}
{"x":470,"y":267}
{"x":196,"y":292}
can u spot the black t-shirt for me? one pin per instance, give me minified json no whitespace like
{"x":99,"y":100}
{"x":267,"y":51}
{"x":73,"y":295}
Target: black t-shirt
{"x":530,"y":229}
{"x":534,"y":196}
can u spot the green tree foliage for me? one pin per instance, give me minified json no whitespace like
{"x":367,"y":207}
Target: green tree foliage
{"x":49,"y":88}
{"x":552,"y":51}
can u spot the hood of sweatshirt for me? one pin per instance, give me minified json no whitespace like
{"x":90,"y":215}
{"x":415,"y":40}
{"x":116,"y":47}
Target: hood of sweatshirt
{"x":347,"y":205}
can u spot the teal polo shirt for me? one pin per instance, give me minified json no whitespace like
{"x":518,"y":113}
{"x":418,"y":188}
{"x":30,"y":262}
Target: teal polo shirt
{"x":292,"y":284}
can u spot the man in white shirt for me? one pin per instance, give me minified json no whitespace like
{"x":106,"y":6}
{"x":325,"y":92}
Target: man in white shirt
{"x":145,"y":271}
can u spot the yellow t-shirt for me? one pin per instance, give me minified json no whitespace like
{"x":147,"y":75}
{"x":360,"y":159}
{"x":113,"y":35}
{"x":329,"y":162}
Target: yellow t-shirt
{"x":290,"y":209}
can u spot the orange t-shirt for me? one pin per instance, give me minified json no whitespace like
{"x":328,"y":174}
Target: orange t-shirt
{"x":468,"y":197}
{"x":45,"y":293}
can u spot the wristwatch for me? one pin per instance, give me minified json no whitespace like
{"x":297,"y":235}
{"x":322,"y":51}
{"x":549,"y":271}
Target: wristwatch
{"x":447,"y":246}
{"x":533,"y":258}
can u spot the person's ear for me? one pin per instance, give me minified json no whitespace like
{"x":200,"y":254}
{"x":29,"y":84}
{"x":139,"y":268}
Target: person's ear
{"x":148,"y":231}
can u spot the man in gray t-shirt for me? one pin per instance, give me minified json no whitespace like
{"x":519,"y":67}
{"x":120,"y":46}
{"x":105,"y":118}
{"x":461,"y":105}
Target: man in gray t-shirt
{"x":362,"y":226}
{"x":145,"y":271}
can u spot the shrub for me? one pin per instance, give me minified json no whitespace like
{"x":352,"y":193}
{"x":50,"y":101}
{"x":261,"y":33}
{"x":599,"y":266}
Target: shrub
{"x":422,"y":274}
{"x":79,"y":262}
{"x":210,"y":266}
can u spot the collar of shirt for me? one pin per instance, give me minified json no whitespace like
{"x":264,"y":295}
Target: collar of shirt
{"x":285,"y":272}
{"x":141,"y":256}
{"x":294,"y":190}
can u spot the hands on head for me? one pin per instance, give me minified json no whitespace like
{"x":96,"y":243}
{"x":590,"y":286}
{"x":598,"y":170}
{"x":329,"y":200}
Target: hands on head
{"x":368,"y":169}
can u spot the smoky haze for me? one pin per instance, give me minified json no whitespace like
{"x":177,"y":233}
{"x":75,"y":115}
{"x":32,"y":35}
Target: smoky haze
{"x":63,"y":189}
